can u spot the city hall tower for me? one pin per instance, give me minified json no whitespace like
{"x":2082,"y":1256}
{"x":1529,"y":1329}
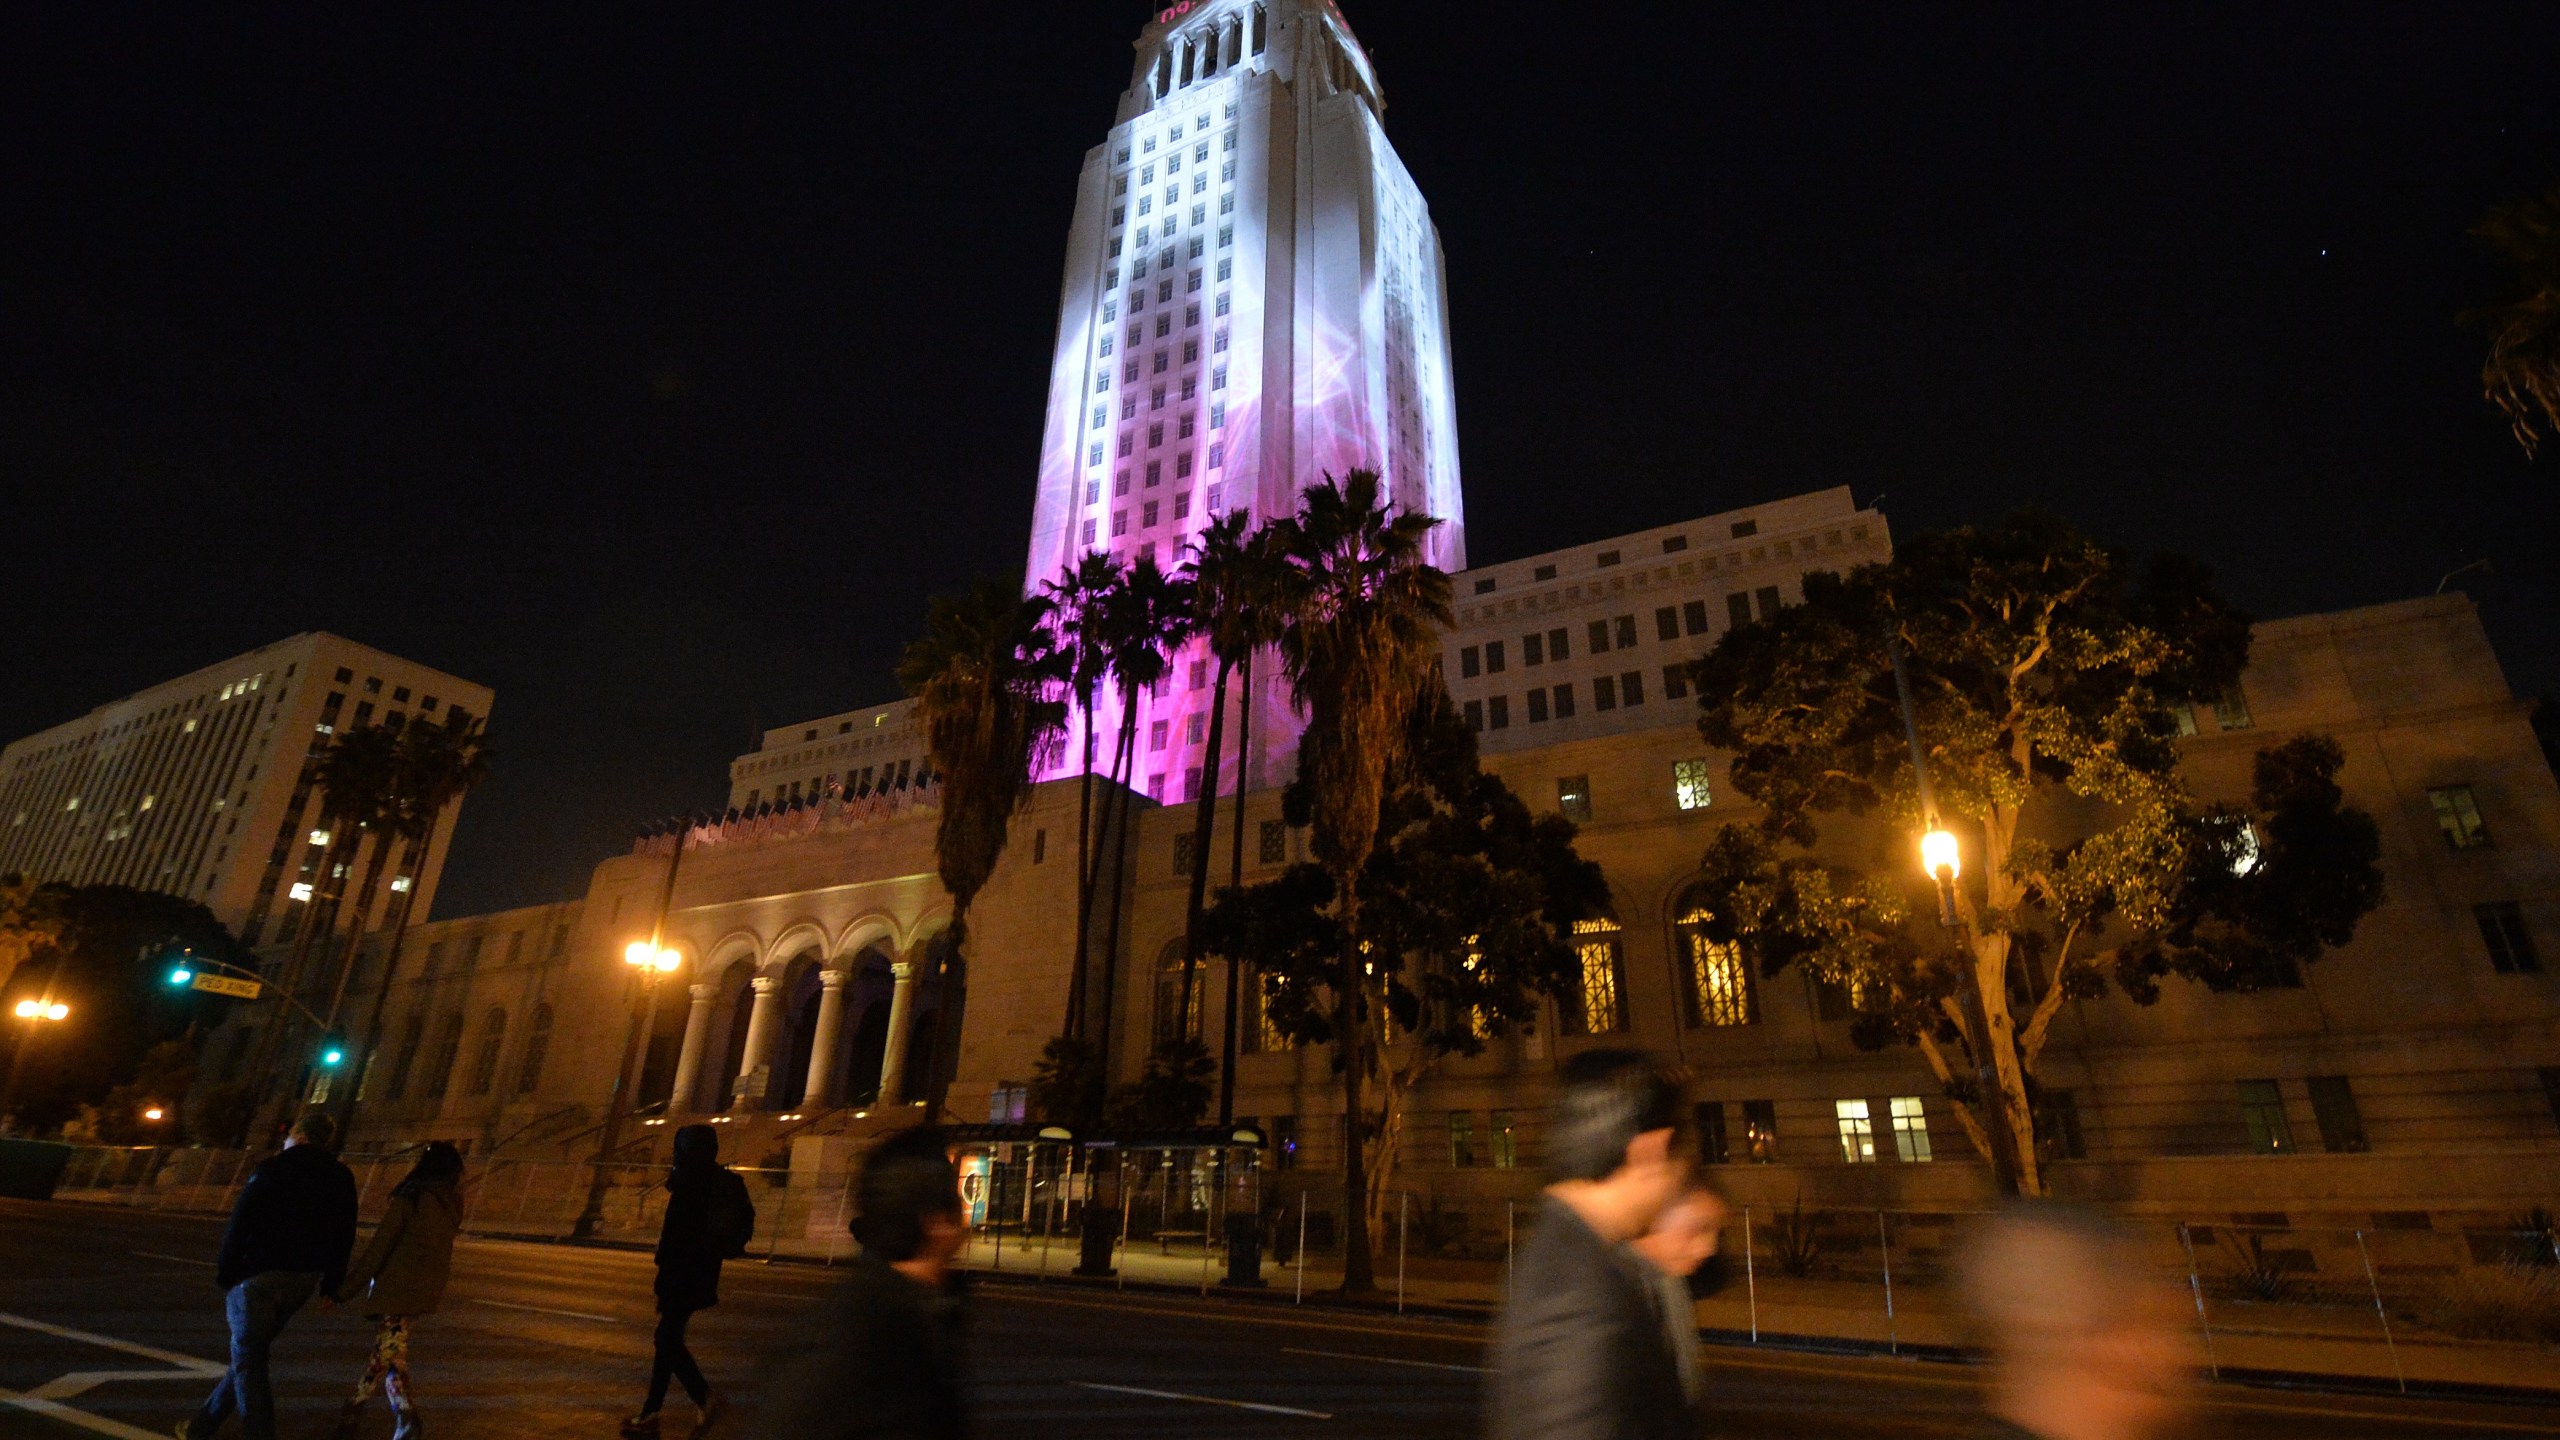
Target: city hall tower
{"x":1253,"y":298}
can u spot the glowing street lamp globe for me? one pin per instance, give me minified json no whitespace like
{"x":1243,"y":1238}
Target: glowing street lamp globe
{"x":642,"y":955}
{"x":1938,"y":855}
{"x":42,"y":1010}
{"x":152,"y":1114}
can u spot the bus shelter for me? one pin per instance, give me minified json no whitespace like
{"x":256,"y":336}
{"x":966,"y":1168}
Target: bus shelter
{"x":1099,"y":1197}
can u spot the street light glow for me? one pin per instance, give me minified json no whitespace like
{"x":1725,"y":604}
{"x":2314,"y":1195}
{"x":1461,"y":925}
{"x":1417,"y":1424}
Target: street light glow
{"x":640,"y":954}
{"x":41,"y":1010}
{"x":152,"y":1114}
{"x":1938,"y":855}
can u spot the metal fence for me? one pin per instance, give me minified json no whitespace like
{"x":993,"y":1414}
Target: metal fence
{"x":2263,"y":1294}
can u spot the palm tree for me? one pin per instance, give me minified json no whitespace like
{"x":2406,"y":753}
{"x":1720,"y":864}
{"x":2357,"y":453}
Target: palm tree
{"x":1230,"y":573}
{"x":1364,"y":614}
{"x":2522,"y":374}
{"x":985,"y":676}
{"x":354,"y":773}
{"x":1148,"y":616}
{"x":1076,"y":613}
{"x":436,"y":766}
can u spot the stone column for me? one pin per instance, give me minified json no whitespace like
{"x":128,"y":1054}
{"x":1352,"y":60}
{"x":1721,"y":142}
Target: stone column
{"x":822,"y":1048}
{"x":755,"y":1067}
{"x":697,"y":1035}
{"x":902,"y":1009}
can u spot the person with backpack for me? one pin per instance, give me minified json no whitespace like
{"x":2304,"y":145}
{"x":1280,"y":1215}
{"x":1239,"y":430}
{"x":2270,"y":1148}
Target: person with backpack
{"x":709,"y":1219}
{"x":400,"y":1276}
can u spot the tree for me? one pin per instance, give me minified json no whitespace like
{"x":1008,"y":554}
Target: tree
{"x":2522,"y":374}
{"x":1233,"y":578}
{"x":356,"y":776}
{"x":1149,"y":616}
{"x":108,"y":957}
{"x":435,"y":767}
{"x":27,"y":923}
{"x":2048,"y":672}
{"x":1466,"y":913}
{"x":1076,"y":600}
{"x":985,"y":675}
{"x":1362,"y":614}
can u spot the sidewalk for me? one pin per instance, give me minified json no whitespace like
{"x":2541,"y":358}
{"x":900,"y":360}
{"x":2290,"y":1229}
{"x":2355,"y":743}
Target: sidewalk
{"x":2304,"y":1345}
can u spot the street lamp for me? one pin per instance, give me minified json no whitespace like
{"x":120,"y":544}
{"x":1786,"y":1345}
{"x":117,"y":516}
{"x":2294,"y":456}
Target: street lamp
{"x":43,"y":1010}
{"x":1939,"y":859}
{"x":153,"y":1114}
{"x":38,"y":1014}
{"x":651,"y":960}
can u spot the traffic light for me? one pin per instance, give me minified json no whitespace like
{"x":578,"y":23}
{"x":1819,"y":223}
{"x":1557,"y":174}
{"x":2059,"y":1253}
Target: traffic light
{"x":182,"y":977}
{"x":333,"y":1055}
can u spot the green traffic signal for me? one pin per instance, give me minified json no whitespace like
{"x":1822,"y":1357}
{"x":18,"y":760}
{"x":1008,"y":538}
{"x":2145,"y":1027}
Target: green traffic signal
{"x":333,"y":1056}
{"x":181,"y":976}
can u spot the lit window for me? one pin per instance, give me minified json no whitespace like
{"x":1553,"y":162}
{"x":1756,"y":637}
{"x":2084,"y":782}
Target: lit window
{"x":301,"y":890}
{"x":1719,"y":988}
{"x":1599,"y":1007}
{"x":2262,"y":1110}
{"x":321,"y":837}
{"x":1573,"y":797}
{"x":2458,"y":816}
{"x":1689,"y":785}
{"x":1910,"y":1129}
{"x":2231,"y":712}
{"x":1857,"y":1132}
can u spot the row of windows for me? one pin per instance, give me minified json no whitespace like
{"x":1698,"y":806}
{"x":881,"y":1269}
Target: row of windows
{"x":1670,"y":623}
{"x":1608,"y":692}
{"x":436,"y":1077}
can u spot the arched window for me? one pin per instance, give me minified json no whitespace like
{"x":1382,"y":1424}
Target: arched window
{"x":441,"y":1060}
{"x":1255,"y":1032}
{"x":1598,"y":1005}
{"x":1169,"y":997}
{"x":1715,"y":983}
{"x":484,"y":1061}
{"x":405,"y":1059}
{"x":537,"y":1048}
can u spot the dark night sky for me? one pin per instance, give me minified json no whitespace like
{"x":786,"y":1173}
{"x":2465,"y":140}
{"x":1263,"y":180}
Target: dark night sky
{"x":652,"y":365}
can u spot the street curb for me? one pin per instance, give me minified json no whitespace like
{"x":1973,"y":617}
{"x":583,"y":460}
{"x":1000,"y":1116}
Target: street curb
{"x":1278,"y":1297}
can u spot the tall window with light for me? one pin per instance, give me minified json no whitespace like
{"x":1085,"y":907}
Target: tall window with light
{"x":1599,"y":1001}
{"x":1718,"y":985}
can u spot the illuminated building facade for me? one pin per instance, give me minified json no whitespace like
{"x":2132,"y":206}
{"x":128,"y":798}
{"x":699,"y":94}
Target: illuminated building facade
{"x":1253,"y":299}
{"x":202,"y":786}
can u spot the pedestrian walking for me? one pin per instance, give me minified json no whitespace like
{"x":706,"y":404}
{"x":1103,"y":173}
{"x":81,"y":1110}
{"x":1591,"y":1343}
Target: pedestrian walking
{"x":709,"y":1219}
{"x":2084,"y":1343}
{"x":886,"y":1360}
{"x":401,"y":1276}
{"x":1580,"y":1351}
{"x":1681,"y":1248}
{"x":288,"y":1241}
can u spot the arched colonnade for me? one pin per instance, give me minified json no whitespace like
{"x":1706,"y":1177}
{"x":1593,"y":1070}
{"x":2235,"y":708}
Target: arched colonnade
{"x":804,"y":1019}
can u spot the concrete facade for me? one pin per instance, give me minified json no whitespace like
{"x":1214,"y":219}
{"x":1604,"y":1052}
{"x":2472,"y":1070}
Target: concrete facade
{"x":201,"y":787}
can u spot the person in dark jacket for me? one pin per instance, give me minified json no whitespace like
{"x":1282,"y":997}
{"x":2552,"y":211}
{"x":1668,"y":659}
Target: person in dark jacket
{"x":1581,"y":1351}
{"x":401,"y":1276}
{"x":709,"y":1219}
{"x":287,"y":1241}
{"x":886,"y":1360}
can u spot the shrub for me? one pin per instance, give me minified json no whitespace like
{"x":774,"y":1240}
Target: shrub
{"x":2498,"y":1302}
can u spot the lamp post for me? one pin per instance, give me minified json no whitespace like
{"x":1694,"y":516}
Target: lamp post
{"x":1940,"y":860}
{"x":35,"y":1014}
{"x":651,"y":962}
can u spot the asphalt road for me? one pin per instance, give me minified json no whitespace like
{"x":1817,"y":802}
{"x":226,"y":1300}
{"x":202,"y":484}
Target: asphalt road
{"x":112,"y":1316}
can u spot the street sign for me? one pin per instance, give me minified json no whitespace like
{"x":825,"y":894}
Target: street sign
{"x":225,"y":985}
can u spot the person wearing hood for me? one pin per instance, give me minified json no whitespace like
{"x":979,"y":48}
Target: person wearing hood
{"x":709,"y":1219}
{"x":288,"y":1241}
{"x":400,"y":1276}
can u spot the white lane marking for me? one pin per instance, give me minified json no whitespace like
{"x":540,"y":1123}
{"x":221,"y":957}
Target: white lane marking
{"x":1202,"y":1399}
{"x":1386,"y":1360}
{"x":96,"y":1424}
{"x":108,"y":1342}
{"x":539,"y":1310}
{"x":175,"y":1259}
{"x":81,"y":1382}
